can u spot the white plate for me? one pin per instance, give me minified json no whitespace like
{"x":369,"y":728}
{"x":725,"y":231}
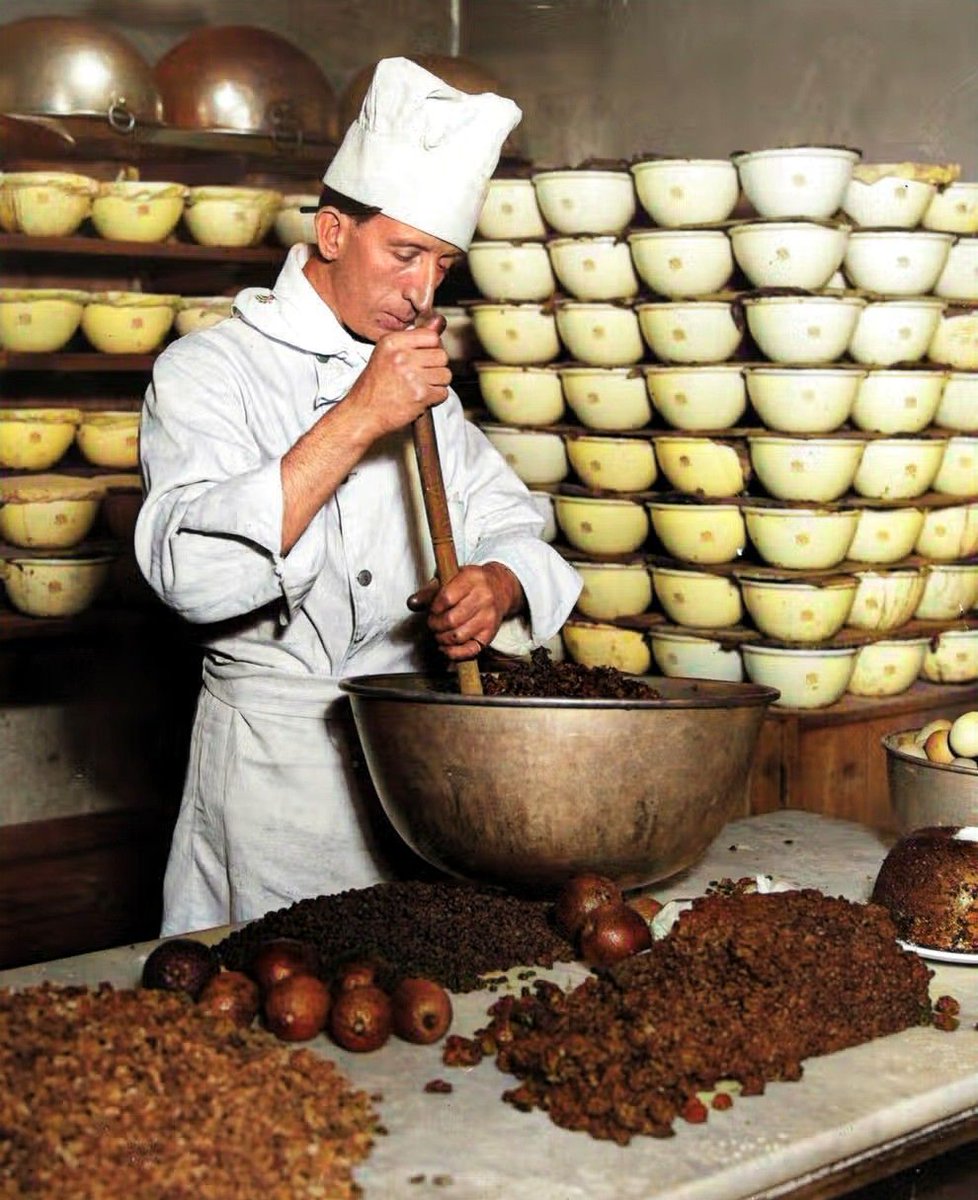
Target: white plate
{"x":961,"y":957}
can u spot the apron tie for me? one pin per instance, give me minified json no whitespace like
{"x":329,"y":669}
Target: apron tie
{"x":310,"y":697}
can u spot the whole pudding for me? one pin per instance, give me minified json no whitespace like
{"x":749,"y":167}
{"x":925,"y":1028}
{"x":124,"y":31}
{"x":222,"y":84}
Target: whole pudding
{"x":929,"y":884}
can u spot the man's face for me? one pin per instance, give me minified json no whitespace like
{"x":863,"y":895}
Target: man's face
{"x":381,"y":274}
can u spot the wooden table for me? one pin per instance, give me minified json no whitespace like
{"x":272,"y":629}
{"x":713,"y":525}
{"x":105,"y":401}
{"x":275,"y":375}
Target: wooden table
{"x":858,"y":1115}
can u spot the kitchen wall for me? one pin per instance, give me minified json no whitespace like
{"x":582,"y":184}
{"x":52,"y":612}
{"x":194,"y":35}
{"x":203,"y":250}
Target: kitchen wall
{"x":595,"y":77}
{"x":96,"y":724}
{"x":617,"y":77}
{"x":897,"y":78}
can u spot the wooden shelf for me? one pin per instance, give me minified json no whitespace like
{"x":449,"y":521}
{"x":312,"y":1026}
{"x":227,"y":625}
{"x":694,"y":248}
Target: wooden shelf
{"x":79,"y":141}
{"x":72,"y":462}
{"x":80,"y":245}
{"x":17,"y":627}
{"x":832,"y":761}
{"x":74,"y":360}
{"x":57,"y":250}
{"x":78,"y":375}
{"x":89,"y":548}
{"x":69,"y":464}
{"x":871,"y":708}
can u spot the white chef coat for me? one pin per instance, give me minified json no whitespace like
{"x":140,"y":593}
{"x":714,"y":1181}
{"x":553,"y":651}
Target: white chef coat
{"x":275,"y":807}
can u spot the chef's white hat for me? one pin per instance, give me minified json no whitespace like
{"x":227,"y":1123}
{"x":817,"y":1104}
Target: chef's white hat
{"x":422,"y":151}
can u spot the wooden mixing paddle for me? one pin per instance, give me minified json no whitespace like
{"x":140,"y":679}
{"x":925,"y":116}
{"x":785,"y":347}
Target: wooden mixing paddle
{"x":436,"y":509}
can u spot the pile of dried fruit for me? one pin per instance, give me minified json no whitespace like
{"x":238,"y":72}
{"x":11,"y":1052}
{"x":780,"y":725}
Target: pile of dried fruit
{"x":544,"y":679}
{"x":744,"y":987}
{"x":108,"y":1093}
{"x":450,"y":932}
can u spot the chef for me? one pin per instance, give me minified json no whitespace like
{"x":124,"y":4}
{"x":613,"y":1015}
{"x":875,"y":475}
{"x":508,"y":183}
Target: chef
{"x":280,"y":515}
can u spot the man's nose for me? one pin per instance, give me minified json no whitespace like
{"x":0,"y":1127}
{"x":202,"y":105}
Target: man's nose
{"x":424,"y":283}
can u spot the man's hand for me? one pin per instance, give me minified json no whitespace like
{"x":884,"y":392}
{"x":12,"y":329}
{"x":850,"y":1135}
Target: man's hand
{"x":407,"y":373}
{"x":465,"y":615}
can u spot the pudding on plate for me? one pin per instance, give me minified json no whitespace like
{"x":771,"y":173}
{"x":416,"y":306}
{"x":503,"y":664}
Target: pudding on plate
{"x":929,"y":885}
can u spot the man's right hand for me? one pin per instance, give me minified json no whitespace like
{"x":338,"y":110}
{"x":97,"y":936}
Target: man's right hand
{"x":407,"y":373}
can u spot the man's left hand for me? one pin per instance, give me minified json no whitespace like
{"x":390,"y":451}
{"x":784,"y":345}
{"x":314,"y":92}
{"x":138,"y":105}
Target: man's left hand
{"x":465,"y":615}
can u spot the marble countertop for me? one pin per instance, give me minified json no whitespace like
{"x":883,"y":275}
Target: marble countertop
{"x":849,"y":1106}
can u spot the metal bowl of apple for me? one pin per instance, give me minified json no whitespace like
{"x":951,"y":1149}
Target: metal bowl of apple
{"x":933,"y":773}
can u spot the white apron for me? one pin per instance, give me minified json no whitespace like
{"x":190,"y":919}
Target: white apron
{"x":281,"y":762}
{"x":273,"y":810}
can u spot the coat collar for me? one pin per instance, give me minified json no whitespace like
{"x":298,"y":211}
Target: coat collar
{"x":293,"y":312}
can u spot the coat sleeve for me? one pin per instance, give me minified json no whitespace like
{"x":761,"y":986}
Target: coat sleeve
{"x":502,"y":525}
{"x":208,"y":537}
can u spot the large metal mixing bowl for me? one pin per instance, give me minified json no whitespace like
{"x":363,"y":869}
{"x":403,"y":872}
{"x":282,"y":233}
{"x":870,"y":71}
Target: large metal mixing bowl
{"x":525,"y":793}
{"x":243,"y":79}
{"x":924,"y":793}
{"x":67,"y":67}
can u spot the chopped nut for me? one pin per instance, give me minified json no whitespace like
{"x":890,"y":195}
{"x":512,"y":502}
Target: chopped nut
{"x":461,"y":1052}
{"x":743,"y":988}
{"x":166,"y":1089}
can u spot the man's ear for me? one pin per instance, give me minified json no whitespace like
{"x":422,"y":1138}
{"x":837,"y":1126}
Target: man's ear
{"x":330,"y":230}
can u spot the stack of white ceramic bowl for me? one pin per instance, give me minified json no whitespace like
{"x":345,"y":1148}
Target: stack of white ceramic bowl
{"x":515,"y":336}
{"x":509,"y":267}
{"x":518,"y":273}
{"x":860,"y":483}
{"x":893,"y":327}
{"x":602,"y":294}
{"x":914,"y":240}
{"x":557,"y":229}
{"x":917,"y":227}
{"x":691,"y":326}
{"x":573,"y":297}
{"x":848,"y":445}
{"x":563,"y":230}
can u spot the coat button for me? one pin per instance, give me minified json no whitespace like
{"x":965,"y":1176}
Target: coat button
{"x":364,"y":578}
